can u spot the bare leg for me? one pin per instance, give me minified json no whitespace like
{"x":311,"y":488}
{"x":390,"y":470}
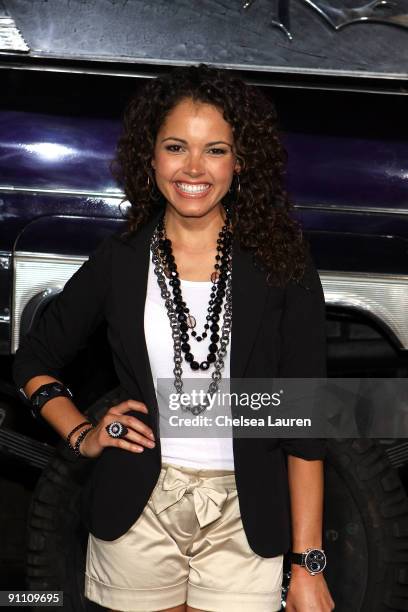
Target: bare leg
{"x":181,"y":608}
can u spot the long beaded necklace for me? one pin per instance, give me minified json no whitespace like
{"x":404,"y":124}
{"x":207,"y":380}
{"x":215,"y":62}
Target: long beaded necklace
{"x":180,"y":318}
{"x":218,"y":278}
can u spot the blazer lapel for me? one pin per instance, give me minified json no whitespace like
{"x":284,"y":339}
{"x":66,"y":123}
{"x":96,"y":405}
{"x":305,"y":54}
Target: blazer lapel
{"x":249,"y":293}
{"x":134,"y":276}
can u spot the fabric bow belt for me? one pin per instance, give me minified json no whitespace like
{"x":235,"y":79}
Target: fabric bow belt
{"x":208,"y":500}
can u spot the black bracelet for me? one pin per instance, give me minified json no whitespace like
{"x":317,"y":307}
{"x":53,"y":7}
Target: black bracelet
{"x":69,"y":436}
{"x":45,"y":393}
{"x":79,"y":439}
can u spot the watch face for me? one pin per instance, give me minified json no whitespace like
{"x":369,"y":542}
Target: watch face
{"x":315,"y":561}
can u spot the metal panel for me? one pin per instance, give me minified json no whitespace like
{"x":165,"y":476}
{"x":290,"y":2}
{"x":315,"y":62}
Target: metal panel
{"x":180,"y":32}
{"x":5,"y":293}
{"x":382,"y":297}
{"x":34,"y":272}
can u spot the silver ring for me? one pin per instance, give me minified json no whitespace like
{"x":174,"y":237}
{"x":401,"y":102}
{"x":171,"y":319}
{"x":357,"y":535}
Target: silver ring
{"x":116,"y":429}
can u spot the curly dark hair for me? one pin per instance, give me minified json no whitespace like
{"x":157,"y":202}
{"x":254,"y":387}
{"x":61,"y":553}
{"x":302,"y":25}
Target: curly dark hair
{"x":261,"y":210}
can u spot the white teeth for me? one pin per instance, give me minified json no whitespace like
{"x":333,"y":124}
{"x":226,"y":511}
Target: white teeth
{"x":193,"y":188}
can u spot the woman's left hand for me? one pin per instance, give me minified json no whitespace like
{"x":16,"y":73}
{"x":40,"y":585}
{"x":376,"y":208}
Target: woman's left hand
{"x":308,"y":593}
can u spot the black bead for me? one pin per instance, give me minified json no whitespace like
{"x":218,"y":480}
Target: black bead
{"x":185,"y":347}
{"x":211,"y":358}
{"x":194,"y":365}
{"x":215,"y":318}
{"x":214,"y":327}
{"x":204,"y":365}
{"x":214,"y":337}
{"x":198,"y":338}
{"x":184,"y":337}
{"x":182,"y":317}
{"x":213,"y":347}
{"x":183,"y":327}
{"x":189,"y":357}
{"x":204,"y":334}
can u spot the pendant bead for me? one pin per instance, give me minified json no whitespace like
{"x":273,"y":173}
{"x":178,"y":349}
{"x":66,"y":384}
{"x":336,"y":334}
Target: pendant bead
{"x":191,"y":322}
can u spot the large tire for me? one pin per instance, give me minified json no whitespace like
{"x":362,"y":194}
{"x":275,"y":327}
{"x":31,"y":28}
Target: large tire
{"x":56,"y":538}
{"x":365,"y":527}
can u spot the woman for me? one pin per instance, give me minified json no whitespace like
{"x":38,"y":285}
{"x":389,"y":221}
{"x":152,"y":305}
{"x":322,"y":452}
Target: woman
{"x":185,"y":523}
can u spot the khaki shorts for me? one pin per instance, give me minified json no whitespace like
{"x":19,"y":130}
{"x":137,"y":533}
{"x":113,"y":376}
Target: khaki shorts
{"x":188,"y":545}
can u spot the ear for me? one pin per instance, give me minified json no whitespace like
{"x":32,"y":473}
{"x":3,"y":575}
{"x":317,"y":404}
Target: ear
{"x":238,"y":165}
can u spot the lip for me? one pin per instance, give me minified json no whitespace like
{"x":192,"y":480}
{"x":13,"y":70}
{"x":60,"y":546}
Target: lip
{"x":192,"y":196}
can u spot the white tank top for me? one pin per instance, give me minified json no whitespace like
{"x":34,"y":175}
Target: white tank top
{"x":191,"y":451}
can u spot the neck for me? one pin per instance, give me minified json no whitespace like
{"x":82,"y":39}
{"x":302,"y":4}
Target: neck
{"x":196,"y":234}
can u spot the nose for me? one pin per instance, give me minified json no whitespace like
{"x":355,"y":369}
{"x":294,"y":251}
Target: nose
{"x":194,"y":165}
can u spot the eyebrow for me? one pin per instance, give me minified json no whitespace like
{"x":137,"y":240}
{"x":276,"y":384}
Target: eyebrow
{"x":208,"y":144}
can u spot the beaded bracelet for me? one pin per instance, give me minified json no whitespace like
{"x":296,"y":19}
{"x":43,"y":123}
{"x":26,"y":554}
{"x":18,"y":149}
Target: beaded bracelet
{"x":79,"y":439}
{"x":69,"y":436}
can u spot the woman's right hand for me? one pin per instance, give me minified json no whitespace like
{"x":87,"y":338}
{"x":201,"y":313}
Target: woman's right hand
{"x":138,"y":436}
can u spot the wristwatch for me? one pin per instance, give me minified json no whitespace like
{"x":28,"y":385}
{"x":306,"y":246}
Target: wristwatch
{"x":312,"y":559}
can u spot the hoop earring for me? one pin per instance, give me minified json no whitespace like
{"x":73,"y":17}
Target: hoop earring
{"x":154,"y":193}
{"x":238,"y":188}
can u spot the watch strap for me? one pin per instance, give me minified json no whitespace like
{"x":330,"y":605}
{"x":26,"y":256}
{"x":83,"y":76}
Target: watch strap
{"x":298,"y":558}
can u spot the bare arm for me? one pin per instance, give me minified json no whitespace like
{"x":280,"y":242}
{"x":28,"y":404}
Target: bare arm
{"x":306,"y":498}
{"x":306,"y":592}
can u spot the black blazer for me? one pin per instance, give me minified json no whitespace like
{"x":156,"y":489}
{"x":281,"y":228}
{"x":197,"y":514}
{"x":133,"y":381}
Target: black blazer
{"x":276,"y":332}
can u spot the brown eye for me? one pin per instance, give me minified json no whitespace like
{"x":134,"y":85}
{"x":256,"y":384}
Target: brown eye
{"x":174,"y":148}
{"x":219,"y":151}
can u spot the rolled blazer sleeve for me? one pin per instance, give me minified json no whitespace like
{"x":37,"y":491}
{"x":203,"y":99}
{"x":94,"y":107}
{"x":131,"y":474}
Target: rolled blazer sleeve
{"x":303,"y":349}
{"x":66,"y":324}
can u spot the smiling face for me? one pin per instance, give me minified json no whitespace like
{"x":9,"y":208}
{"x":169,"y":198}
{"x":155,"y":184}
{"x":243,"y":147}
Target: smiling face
{"x":194,"y":158}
